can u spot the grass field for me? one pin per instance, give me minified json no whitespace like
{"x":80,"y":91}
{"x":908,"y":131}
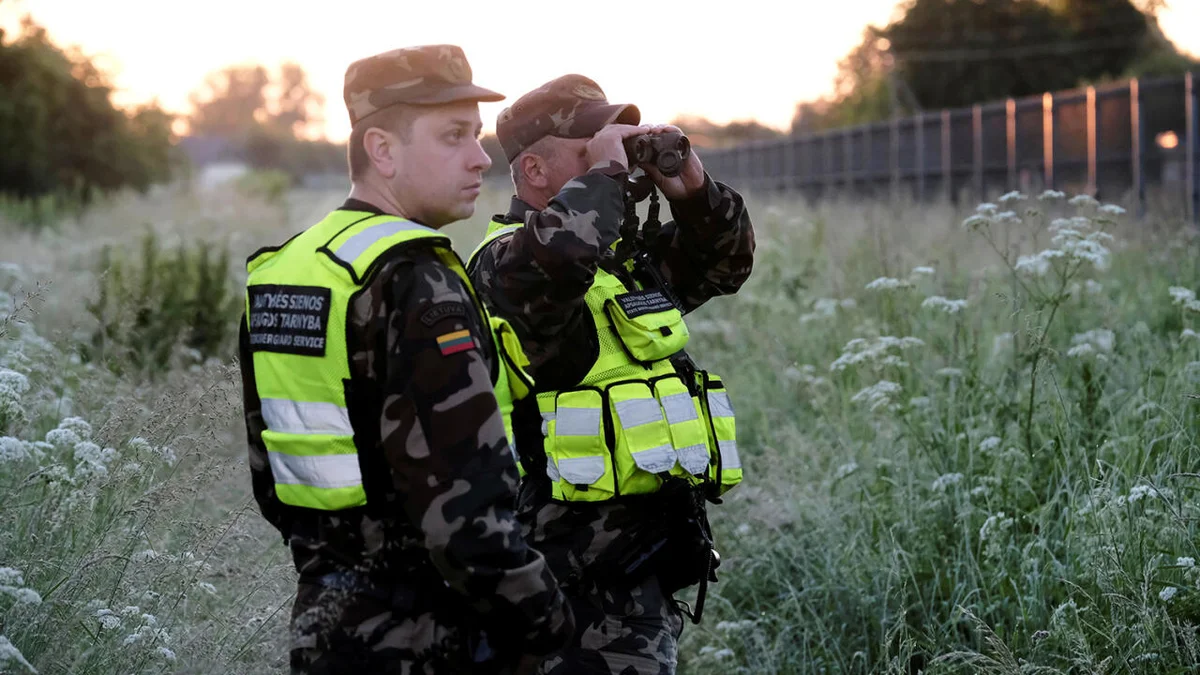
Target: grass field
{"x":970,"y":438}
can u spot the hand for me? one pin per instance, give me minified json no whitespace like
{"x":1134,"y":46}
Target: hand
{"x":690,"y":180}
{"x":608,"y":143}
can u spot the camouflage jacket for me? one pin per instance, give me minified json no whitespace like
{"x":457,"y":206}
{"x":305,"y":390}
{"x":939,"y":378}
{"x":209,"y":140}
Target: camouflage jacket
{"x":448,"y":518}
{"x":537,"y":278}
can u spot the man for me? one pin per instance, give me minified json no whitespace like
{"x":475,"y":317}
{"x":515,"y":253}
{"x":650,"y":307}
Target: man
{"x":627,"y":437}
{"x":371,"y":375}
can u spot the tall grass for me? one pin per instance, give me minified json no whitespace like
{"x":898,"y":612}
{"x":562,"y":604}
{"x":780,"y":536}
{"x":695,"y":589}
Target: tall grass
{"x":964,"y":454}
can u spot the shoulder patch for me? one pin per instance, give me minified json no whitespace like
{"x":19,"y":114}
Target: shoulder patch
{"x":453,"y":343}
{"x":443,"y":310}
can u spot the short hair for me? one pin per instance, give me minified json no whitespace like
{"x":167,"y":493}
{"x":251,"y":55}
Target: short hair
{"x":397,"y":118}
{"x":542,"y":147}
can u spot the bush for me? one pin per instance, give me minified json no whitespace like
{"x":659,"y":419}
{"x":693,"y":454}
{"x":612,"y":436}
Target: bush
{"x":151,"y":309}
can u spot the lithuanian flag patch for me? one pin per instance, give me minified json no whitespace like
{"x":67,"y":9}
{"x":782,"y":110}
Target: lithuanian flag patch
{"x":453,"y":343}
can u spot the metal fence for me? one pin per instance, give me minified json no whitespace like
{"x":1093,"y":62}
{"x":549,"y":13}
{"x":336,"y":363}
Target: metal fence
{"x":1115,"y":142}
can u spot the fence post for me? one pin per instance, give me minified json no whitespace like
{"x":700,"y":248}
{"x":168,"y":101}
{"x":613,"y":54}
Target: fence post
{"x":791,"y":177}
{"x":1048,"y":139}
{"x":1010,"y":109}
{"x":947,"y":177}
{"x":977,"y":150}
{"x":920,"y":156}
{"x":1193,"y":147}
{"x":895,"y":156}
{"x":848,"y":160}
{"x":1092,"y":185}
{"x":1138,"y":146}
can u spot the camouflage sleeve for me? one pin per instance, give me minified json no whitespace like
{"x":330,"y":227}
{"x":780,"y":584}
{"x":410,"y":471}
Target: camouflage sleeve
{"x":444,"y":440}
{"x":707,"y":249}
{"x":262,"y":481}
{"x":537,"y":277}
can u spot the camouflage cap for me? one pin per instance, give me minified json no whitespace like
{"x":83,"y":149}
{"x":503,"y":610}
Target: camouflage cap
{"x":571,"y":106}
{"x":427,"y":74}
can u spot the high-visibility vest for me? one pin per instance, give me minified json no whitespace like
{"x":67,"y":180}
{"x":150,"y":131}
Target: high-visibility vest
{"x":633,"y":419}
{"x":297,"y":297}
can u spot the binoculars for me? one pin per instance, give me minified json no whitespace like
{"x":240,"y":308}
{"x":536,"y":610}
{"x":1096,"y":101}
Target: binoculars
{"x":666,"y":151}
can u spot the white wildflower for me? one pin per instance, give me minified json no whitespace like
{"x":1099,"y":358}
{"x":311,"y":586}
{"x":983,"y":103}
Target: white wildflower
{"x":166,"y":653}
{"x":722,"y":654}
{"x":1097,"y":342}
{"x":845,"y":470}
{"x":13,"y":382}
{"x":10,"y":654}
{"x":949,"y":372}
{"x":874,"y":352}
{"x":207,"y":587}
{"x":946,"y":480}
{"x":888,"y":284}
{"x":91,"y":460}
{"x":62,"y":439}
{"x":12,"y":449}
{"x":744,"y":528}
{"x":987,"y":209}
{"x":1010,"y":197}
{"x":1186,"y":562}
{"x":1093,"y":287}
{"x":976,"y":222}
{"x":995,"y":524}
{"x":920,"y":402}
{"x":1112,"y":210}
{"x":24,"y":596}
{"x":1051,"y":194}
{"x":1035,"y":265}
{"x":1180,"y":295}
{"x":734,"y":626}
{"x":1167,"y":593}
{"x":990,"y":443}
{"x":1188,"y":334}
{"x":981,"y":491}
{"x":143,"y":556}
{"x":947,"y":306}
{"x":1082,"y":200}
{"x":822,"y":308}
{"x":1136,"y":493}
{"x":12,"y":577}
{"x":877,"y":395}
{"x":108,"y":620}
{"x":848,"y":303}
{"x":78,"y":425}
{"x":923,"y":271}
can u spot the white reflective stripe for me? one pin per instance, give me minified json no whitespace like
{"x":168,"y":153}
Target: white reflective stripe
{"x":552,"y":470}
{"x":321,"y":471}
{"x":547,"y":418}
{"x":355,"y":245}
{"x":729,"y":455}
{"x":655,"y":460}
{"x":578,"y":422}
{"x":306,"y":417}
{"x":693,"y":458}
{"x":638,"y":411}
{"x":581,"y":470}
{"x":719,"y":405}
{"x":679,"y":408}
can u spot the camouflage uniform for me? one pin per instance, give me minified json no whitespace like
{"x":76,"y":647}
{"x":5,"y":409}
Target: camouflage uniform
{"x":438,"y":574}
{"x":537,"y":278}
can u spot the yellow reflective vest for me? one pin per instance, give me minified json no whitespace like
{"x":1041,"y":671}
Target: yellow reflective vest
{"x":297,"y":296}
{"x":634,"y":419}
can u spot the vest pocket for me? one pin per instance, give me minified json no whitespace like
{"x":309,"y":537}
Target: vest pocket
{"x":689,"y":434}
{"x":580,"y":455}
{"x":647,"y":334}
{"x":643,"y":443}
{"x":726,"y":468}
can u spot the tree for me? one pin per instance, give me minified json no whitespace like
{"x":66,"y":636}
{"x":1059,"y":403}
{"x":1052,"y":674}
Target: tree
{"x":954,"y":53}
{"x":230,"y":102}
{"x":61,"y":133}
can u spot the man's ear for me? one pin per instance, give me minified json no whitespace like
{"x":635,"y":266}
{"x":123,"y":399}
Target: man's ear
{"x":533,"y":170}
{"x":380,"y":145}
